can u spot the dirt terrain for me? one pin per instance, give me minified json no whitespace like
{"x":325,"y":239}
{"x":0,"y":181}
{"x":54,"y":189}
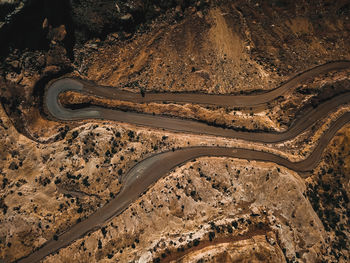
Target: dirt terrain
{"x":54,"y":174}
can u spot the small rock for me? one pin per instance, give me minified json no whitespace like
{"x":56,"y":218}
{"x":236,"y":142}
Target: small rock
{"x":255,"y":210}
{"x":113,"y":36}
{"x":192,"y":10}
{"x":200,"y":14}
{"x":45,"y":23}
{"x":51,"y":69}
{"x":92,"y":46}
{"x":271,"y":240}
{"x":126,"y":17}
{"x":118,"y":8}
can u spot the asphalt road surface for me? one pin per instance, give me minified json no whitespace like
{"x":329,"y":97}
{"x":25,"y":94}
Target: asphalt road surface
{"x":149,"y":170}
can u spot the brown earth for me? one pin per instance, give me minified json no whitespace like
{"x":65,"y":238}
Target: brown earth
{"x":257,"y":211}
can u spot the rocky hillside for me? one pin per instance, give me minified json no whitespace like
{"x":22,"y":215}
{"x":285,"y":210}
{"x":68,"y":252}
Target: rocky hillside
{"x":54,"y":174}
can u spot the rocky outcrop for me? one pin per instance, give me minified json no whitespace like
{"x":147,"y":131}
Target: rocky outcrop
{"x":214,"y":209}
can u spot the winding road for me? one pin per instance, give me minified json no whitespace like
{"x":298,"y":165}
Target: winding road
{"x":151,"y":169}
